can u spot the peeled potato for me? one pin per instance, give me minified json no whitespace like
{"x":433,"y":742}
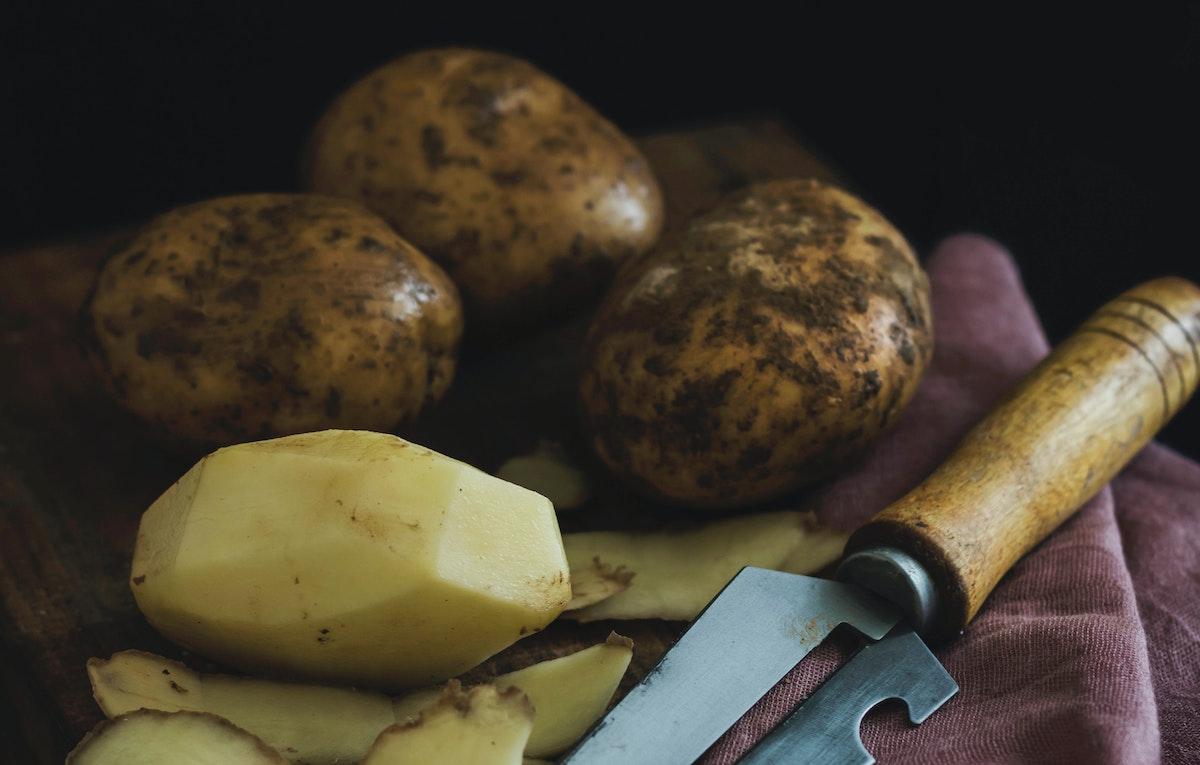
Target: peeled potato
{"x":348,"y":557}
{"x":151,"y":737}
{"x":481,"y":726}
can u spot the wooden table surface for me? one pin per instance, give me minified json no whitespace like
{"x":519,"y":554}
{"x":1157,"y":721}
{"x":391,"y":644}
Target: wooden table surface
{"x":76,"y":472}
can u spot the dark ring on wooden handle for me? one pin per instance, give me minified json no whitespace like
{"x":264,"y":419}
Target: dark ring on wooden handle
{"x":898,"y":578}
{"x":1051,"y":444}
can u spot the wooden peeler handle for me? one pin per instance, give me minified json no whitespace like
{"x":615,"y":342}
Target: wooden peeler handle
{"x":1049,"y":446}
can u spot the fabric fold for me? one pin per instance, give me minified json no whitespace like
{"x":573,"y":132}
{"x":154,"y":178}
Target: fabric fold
{"x":1064,"y":662}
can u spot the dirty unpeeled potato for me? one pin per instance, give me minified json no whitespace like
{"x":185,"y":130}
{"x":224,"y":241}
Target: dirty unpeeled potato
{"x":527,"y":196}
{"x":267,"y":314}
{"x":151,"y":737}
{"x":321,"y":725}
{"x":350,"y":557}
{"x":482,"y":725}
{"x":769,"y":343}
{"x":674,"y":574}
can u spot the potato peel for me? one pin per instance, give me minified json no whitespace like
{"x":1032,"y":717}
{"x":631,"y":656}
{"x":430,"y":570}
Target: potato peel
{"x":151,"y":737}
{"x":135,"y":679}
{"x":313,"y":724}
{"x":548,"y":471}
{"x":321,"y":725}
{"x":674,"y":575}
{"x":569,"y":693}
{"x":596,"y":582}
{"x":482,"y":725}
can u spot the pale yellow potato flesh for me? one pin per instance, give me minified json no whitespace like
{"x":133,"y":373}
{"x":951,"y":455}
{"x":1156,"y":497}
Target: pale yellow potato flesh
{"x":321,"y":725}
{"x":569,"y":694}
{"x":482,"y":726}
{"x":133,"y":680}
{"x":313,"y":724}
{"x":152,"y":737}
{"x":348,"y":557}
{"x":596,"y":582}
{"x":674,"y":575}
{"x":548,"y":471}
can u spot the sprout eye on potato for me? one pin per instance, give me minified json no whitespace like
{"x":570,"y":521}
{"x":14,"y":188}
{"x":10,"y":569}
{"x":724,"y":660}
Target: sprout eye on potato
{"x":768,"y":344}
{"x":259,"y":315}
{"x":497,"y":171}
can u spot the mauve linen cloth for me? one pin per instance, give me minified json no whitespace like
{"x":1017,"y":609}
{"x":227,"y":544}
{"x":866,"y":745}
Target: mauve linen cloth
{"x":1089,"y":650}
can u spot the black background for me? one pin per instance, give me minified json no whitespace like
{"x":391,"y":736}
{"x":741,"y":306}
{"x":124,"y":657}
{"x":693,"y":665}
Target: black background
{"x":1070,"y":138}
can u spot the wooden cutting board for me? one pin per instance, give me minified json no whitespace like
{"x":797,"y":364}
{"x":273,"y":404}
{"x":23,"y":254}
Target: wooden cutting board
{"x":76,"y":472}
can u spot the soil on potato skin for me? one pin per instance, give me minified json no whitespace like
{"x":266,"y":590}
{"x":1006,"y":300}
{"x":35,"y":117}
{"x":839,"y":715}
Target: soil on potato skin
{"x":772,"y":253}
{"x":235,"y":292}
